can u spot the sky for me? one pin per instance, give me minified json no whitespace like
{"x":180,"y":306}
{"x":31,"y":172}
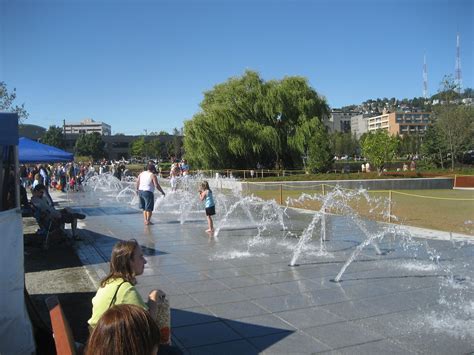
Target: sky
{"x":143,"y":65}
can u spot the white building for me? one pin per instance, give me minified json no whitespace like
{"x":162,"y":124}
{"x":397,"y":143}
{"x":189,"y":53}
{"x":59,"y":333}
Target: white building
{"x":340,"y":121}
{"x":359,"y":125}
{"x":88,"y":125}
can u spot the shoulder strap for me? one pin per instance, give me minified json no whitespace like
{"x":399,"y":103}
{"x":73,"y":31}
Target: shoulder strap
{"x":112,"y":302}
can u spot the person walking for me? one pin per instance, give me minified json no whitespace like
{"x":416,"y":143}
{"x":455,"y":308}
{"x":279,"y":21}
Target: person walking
{"x":205,"y":194}
{"x":146,"y":184}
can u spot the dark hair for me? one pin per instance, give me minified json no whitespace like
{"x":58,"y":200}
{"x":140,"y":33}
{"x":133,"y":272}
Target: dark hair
{"x":205,"y":186}
{"x":122,"y":255}
{"x":151,"y":167}
{"x":124,"y":329}
{"x":39,"y":187}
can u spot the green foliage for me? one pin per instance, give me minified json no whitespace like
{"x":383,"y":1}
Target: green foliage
{"x":245,"y":121}
{"x":311,"y":138}
{"x":7,"y":102}
{"x":454,"y":125}
{"x":453,"y":128}
{"x":448,"y":91}
{"x":54,"y":136}
{"x":138,"y":147}
{"x":154,"y":148}
{"x":175,"y":147}
{"x":344,"y":144}
{"x":433,"y":150}
{"x":90,"y":144}
{"x":82,"y":159}
{"x":379,"y":148}
{"x":319,"y":148}
{"x":409,"y":144}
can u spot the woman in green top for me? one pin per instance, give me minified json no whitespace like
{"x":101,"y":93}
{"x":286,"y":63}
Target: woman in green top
{"x":118,"y":287}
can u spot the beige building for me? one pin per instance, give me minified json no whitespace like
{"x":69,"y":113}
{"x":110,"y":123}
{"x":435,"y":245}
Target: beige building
{"x":400,"y":122}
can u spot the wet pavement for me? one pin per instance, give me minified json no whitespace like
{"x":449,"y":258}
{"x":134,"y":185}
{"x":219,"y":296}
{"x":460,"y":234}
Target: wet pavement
{"x":236,"y":293}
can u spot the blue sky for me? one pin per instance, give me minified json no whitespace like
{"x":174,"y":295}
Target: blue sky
{"x":145,"y":64}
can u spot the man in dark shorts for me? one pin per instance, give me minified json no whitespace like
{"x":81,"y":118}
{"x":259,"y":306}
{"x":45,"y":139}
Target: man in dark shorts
{"x":146,"y":184}
{"x":48,"y":213}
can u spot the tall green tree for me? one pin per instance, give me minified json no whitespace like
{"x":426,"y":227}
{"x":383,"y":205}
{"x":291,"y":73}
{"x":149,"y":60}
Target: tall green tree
{"x":433,"y":150}
{"x":453,"y":122}
{"x":175,"y":147}
{"x":379,"y":148}
{"x":245,"y":121}
{"x":138,"y":147}
{"x":409,"y":144}
{"x":53,"y":136}
{"x":319,"y":149}
{"x":7,"y":102}
{"x":455,"y":126}
{"x":90,"y":145}
{"x":344,"y":144}
{"x":155,"y":148}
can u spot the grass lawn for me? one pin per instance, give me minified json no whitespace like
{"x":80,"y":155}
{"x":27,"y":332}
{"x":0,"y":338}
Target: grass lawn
{"x":446,"y":210}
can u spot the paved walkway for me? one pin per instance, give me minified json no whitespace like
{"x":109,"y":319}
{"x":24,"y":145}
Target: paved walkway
{"x":237,"y":294}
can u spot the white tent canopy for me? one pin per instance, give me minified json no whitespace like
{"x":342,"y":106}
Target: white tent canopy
{"x":16,"y":334}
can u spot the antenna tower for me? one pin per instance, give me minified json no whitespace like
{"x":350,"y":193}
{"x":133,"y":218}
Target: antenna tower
{"x":458,"y":65}
{"x":425,"y":78}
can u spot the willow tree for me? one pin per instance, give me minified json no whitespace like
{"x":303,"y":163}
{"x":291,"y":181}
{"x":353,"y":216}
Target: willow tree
{"x":312,"y":140}
{"x":246,"y":120}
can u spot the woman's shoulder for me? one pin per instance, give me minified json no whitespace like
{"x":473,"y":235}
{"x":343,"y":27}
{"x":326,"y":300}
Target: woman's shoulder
{"x":116,"y":282}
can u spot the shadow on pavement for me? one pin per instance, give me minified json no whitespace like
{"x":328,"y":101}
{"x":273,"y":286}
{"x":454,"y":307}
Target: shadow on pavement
{"x":77,"y":309}
{"x":103,"y":244}
{"x":208,"y":334}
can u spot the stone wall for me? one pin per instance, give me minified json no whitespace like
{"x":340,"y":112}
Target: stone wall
{"x":375,"y":184}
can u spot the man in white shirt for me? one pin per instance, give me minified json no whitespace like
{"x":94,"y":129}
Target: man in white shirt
{"x":146,"y":184}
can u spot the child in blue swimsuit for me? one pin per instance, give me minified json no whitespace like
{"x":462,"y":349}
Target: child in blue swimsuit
{"x":205,"y":194}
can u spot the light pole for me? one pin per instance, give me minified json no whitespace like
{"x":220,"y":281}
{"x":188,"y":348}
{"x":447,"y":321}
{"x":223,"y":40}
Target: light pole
{"x":145,"y":150}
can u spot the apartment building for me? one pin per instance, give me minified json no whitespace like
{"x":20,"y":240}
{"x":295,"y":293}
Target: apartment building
{"x":88,"y":125}
{"x":400,"y":122}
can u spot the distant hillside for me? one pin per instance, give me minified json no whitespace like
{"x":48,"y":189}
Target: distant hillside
{"x":376,"y":106}
{"x":31,"y":131}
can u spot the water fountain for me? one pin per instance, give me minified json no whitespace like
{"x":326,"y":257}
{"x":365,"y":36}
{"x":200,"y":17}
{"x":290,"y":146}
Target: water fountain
{"x":336,"y":234}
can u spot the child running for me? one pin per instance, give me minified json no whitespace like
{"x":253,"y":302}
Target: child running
{"x":205,"y":193}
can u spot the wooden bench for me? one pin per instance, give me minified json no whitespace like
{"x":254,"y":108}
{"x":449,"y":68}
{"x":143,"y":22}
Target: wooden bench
{"x":63,"y":338}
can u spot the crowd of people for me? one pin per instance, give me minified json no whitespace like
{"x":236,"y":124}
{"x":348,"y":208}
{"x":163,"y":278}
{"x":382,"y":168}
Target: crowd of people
{"x":121,"y":321}
{"x":179,"y":171}
{"x":63,"y":177}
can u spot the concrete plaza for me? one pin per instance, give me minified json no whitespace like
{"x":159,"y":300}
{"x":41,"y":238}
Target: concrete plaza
{"x":237,"y":294}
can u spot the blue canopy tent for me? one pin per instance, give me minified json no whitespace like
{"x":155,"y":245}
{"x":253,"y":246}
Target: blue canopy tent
{"x":34,"y":152}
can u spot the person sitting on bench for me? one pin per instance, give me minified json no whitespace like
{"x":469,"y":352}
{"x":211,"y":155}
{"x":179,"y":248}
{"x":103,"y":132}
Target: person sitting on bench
{"x":50,"y":214}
